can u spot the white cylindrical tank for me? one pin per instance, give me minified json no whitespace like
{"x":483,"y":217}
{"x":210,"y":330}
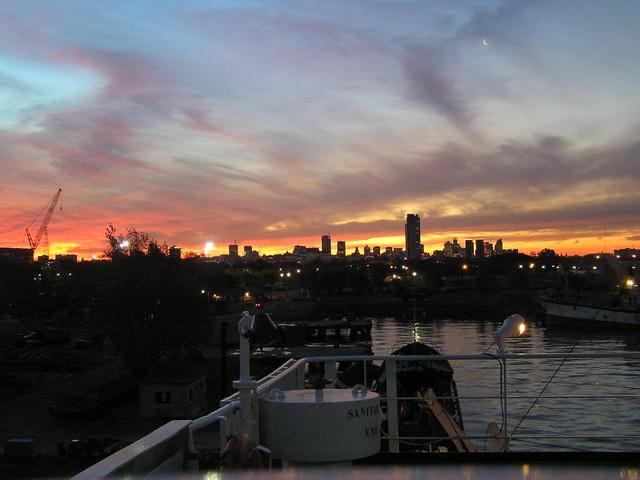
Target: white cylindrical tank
{"x":331,"y":425}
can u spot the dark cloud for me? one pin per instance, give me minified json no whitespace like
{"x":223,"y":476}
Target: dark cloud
{"x":430,"y":83}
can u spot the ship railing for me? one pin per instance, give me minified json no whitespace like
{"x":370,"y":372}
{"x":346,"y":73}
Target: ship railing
{"x":510,"y":430}
{"x":168,"y":449}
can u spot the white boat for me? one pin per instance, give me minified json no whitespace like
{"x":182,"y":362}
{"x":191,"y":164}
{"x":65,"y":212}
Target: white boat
{"x":626,"y":314}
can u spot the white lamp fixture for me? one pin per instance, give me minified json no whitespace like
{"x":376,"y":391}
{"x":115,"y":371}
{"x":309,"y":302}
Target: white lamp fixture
{"x":513,"y":326}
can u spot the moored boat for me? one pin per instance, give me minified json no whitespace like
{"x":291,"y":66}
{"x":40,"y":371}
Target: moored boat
{"x":585,"y":314}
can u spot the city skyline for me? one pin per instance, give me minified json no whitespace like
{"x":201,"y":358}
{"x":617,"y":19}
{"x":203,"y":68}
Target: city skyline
{"x":275,"y":123}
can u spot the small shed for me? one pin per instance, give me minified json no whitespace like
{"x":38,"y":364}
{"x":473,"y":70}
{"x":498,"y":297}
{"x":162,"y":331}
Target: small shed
{"x":175,"y":393}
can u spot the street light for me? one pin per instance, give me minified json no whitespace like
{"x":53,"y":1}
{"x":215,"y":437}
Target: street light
{"x":513,"y":326}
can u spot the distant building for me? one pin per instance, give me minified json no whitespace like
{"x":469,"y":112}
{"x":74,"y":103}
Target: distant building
{"x":480,"y":248}
{"x":356,"y":252}
{"x":388,"y":250}
{"x":412,"y":236}
{"x":376,"y":251}
{"x":448,"y":249}
{"x":248,"y":250}
{"x":20,"y":255}
{"x":341,"y":250}
{"x":499,"y":247}
{"x":367,"y":250}
{"x":468,"y":248}
{"x":174,"y":394}
{"x":326,"y":244}
{"x":627,"y":253}
{"x":301,"y":250}
{"x":67,"y":258}
{"x":488,"y":249}
{"x":233,"y":250}
{"x":175,"y":252}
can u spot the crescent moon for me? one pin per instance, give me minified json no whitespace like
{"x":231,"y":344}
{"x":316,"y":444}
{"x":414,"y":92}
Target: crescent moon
{"x":485,"y":43}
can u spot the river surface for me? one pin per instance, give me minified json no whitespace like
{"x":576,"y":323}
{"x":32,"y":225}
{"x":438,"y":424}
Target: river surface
{"x":555,"y":415}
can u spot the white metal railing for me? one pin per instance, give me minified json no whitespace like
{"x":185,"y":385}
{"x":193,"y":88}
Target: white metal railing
{"x":291,"y":375}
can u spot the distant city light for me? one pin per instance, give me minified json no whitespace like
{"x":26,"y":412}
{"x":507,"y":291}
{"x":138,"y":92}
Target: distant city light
{"x":630,"y":283}
{"x":531,"y":265}
{"x":594,"y":267}
{"x":465,"y":266}
{"x":520,"y":266}
{"x":281,"y":275}
{"x":298,"y":270}
{"x":203,"y":291}
{"x":247,"y":294}
{"x":414,"y":274}
{"x":208,"y":247}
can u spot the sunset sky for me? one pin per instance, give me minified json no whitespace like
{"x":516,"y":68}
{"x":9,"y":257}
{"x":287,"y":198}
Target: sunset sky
{"x":271,"y":123}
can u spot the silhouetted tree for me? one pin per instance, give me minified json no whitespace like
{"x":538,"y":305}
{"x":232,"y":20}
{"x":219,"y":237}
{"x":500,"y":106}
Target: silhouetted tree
{"x":151,"y":303}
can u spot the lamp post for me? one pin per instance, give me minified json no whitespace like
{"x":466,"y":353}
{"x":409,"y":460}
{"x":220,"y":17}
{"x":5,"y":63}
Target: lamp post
{"x":512,"y":326}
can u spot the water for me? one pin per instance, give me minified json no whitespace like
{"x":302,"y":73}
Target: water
{"x":550,"y":417}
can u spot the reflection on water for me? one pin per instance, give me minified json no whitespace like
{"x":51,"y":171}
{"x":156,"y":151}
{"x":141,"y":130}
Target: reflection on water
{"x":554,"y":415}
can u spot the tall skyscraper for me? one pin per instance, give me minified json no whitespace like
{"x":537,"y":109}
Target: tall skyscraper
{"x":326,"y":244}
{"x":248,"y":250}
{"x":468,"y":248}
{"x":499,"y":247}
{"x":233,"y":250}
{"x":480,"y":248}
{"x":412,"y":236}
{"x":376,"y":251}
{"x":342,"y":248}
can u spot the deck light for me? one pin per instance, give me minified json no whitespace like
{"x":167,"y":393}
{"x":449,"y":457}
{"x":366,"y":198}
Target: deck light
{"x":513,"y":326}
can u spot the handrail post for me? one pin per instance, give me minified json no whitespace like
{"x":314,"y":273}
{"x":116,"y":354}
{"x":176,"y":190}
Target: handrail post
{"x":392,"y":405}
{"x":504,"y":390}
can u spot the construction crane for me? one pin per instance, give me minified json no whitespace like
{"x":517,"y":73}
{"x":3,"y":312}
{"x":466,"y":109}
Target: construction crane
{"x":42,"y":231}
